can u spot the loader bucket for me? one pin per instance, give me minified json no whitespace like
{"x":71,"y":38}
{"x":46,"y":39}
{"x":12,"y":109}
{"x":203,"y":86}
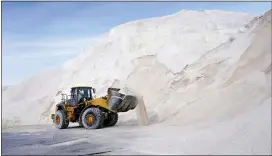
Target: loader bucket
{"x":120,"y":102}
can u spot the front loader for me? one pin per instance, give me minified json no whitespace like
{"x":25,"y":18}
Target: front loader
{"x":91,"y":112}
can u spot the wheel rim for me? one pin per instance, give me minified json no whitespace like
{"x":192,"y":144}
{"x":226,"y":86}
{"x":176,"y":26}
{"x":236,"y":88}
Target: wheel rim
{"x":90,"y":119}
{"x":57,"y":120}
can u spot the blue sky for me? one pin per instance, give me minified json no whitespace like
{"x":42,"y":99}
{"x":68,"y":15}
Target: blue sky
{"x":41,"y":35}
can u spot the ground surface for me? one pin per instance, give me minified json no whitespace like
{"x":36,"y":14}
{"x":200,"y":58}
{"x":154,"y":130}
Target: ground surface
{"x":74,"y":140}
{"x":248,"y":133}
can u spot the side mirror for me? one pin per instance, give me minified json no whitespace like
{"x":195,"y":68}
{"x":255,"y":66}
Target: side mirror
{"x":94,"y":90}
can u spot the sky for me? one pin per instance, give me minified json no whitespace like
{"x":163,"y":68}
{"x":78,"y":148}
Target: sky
{"x":37,"y":36}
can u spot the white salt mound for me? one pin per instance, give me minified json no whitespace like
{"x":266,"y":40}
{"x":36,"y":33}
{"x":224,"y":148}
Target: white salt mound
{"x":191,"y":67}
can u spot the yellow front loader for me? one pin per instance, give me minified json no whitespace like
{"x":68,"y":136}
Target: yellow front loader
{"x":91,"y":112}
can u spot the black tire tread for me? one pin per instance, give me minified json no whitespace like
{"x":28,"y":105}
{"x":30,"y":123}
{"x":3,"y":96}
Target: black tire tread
{"x":99,"y":118}
{"x":80,"y":120}
{"x":112,"y":119}
{"x":64,"y":122}
{"x":80,"y":123}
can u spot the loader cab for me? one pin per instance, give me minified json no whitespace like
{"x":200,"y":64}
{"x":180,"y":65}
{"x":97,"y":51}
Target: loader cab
{"x":78,"y":93}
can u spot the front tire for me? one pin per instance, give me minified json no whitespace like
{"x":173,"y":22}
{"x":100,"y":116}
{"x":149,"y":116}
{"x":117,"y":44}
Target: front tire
{"x":92,"y":118}
{"x":111,"y":120}
{"x":60,"y":120}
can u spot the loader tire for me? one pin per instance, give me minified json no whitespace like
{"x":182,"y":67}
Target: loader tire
{"x":92,"y":118}
{"x":60,"y":120}
{"x":80,"y":123}
{"x":111,"y":120}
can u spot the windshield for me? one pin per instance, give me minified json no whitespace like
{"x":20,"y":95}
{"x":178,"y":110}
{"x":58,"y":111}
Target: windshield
{"x":85,"y":92}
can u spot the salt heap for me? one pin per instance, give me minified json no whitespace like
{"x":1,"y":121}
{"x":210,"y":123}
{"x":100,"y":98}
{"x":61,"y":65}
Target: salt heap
{"x":190,"y":67}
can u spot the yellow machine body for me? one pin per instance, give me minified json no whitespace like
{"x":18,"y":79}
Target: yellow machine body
{"x":73,"y":112}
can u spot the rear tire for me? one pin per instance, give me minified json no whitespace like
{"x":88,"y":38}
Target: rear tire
{"x":60,"y":120}
{"x":92,"y":118}
{"x":80,"y":121}
{"x":80,"y":124}
{"x":111,"y":120}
